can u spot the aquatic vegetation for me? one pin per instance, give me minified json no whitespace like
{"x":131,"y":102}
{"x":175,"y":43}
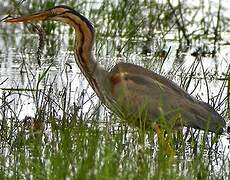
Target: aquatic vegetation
{"x":53,"y":126}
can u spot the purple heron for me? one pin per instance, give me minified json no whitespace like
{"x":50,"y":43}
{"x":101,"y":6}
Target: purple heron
{"x":138,"y":95}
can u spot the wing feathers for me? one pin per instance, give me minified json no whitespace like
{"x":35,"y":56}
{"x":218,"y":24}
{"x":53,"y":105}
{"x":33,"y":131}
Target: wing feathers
{"x":135,"y":87}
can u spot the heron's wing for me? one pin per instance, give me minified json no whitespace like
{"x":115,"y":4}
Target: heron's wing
{"x":134,"y":87}
{"x":135,"y":69}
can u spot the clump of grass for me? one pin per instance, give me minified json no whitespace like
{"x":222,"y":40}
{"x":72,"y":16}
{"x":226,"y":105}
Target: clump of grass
{"x":60,"y":143}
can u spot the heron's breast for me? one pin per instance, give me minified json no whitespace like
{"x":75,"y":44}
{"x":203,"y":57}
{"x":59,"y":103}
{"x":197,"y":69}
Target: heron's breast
{"x":118,"y":82}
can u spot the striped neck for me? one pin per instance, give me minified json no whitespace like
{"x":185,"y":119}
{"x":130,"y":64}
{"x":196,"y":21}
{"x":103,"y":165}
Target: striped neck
{"x":97,"y":77}
{"x":84,"y":41}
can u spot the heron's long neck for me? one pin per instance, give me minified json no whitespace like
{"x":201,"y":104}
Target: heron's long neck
{"x":84,"y":42}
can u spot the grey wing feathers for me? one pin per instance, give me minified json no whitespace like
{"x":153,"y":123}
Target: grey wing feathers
{"x":135,"y":69}
{"x":195,"y":113}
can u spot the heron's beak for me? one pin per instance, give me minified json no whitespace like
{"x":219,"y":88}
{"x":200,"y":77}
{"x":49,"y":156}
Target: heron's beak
{"x":31,"y":18}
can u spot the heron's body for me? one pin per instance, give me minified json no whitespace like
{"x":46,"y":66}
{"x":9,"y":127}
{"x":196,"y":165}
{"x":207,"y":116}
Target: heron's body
{"x":136,"y":94}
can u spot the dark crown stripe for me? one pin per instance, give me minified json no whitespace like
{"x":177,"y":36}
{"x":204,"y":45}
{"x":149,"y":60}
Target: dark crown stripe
{"x":70,"y":10}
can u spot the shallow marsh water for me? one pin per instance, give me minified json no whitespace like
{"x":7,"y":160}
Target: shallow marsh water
{"x":14,"y":75}
{"x":19,"y":77}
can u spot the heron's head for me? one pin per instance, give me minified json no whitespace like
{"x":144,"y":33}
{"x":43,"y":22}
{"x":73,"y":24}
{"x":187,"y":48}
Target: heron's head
{"x":58,"y":13}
